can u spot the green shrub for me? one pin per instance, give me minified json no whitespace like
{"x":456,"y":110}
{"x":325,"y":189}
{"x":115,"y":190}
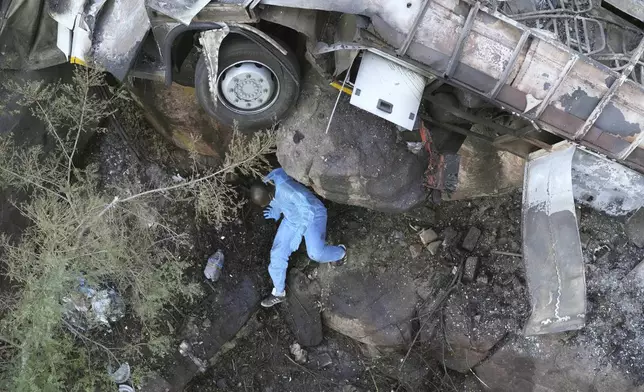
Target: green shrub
{"x":78,"y":230}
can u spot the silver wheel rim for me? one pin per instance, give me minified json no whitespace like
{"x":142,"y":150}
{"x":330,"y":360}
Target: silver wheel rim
{"x":248,"y":87}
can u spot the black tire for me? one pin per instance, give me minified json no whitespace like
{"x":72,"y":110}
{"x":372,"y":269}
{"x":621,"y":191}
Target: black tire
{"x":233,"y":51}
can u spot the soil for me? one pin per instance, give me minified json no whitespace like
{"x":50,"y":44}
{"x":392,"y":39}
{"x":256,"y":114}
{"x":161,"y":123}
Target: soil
{"x":495,"y":303}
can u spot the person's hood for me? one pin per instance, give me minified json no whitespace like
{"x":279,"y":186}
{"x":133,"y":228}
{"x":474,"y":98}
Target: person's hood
{"x":277,"y":176}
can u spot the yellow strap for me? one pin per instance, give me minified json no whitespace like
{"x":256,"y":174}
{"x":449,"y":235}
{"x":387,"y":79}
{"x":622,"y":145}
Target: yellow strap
{"x":76,"y":60}
{"x":345,"y":89}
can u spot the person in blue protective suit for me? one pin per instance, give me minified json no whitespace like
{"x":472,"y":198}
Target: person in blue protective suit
{"x":304,"y":216}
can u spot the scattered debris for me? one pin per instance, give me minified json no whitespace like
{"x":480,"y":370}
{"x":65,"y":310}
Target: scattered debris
{"x":636,"y":276}
{"x":635,"y":228}
{"x":427,"y":236}
{"x":415,"y":147}
{"x":178,"y":178}
{"x":600,"y":254}
{"x":433,"y":247}
{"x":214,"y":266}
{"x":222,"y":384}
{"x":502,"y":253}
{"x":122,"y":374}
{"x":471,"y":239}
{"x":450,"y":236}
{"x":415,"y":250}
{"x":89,"y":308}
{"x":323,"y":360}
{"x":482,"y":279}
{"x":298,"y":353}
{"x":185,"y":349}
{"x":471,"y":268}
{"x":107,"y":306}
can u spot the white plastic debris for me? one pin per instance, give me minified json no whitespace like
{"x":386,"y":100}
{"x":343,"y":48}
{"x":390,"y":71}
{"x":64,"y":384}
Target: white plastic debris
{"x":415,"y":147}
{"x":299,"y":354}
{"x":214,"y":266}
{"x":122,"y":374}
{"x":89,"y":308}
{"x":177,"y":178}
{"x":185,"y":349}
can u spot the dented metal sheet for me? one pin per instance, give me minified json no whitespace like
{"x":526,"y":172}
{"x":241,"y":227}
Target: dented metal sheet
{"x":606,"y":185}
{"x":120,"y":29}
{"x":489,"y":46}
{"x":210,"y":42}
{"x":65,"y":11}
{"x":551,"y":245}
{"x":181,"y":10}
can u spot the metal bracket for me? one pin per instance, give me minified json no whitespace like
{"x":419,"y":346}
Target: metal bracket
{"x":551,"y":246}
{"x":564,"y":73}
{"x":465,"y":31}
{"x":249,"y":32}
{"x":412,"y":30}
{"x":590,"y":121}
{"x":510,"y":66}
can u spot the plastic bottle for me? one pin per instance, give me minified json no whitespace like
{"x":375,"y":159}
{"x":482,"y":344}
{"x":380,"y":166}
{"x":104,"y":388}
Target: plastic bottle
{"x":215,"y":265}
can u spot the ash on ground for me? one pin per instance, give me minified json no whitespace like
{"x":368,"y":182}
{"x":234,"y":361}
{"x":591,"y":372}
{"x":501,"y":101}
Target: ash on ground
{"x":394,"y":316}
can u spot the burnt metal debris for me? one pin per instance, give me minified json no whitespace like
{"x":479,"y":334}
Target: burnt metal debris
{"x":580,"y":25}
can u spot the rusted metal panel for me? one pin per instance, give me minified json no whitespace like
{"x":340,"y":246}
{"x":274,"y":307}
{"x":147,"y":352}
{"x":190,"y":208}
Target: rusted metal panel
{"x":462,"y":37}
{"x":119,"y":34}
{"x":487,"y":49}
{"x":509,"y":66}
{"x":634,"y":8}
{"x":606,"y":185}
{"x":225,"y":12}
{"x":551,"y":246}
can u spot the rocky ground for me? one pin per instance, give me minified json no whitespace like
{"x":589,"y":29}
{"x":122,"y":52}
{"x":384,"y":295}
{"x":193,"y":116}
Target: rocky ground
{"x":430,"y":300}
{"x":412,"y":310}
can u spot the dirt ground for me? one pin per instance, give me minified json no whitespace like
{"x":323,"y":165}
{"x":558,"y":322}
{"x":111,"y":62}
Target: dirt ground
{"x":496,"y":302}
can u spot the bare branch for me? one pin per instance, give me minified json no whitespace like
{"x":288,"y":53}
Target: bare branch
{"x":52,"y":129}
{"x":78,"y":132}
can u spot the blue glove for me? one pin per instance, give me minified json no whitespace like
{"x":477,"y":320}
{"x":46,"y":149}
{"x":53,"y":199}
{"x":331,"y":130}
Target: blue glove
{"x":271,"y":213}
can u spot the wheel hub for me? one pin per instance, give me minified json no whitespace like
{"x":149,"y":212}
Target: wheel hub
{"x":247,"y":86}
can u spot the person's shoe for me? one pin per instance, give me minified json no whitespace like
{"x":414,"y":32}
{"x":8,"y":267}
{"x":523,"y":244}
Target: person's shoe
{"x":340,"y":262}
{"x":273,"y":300}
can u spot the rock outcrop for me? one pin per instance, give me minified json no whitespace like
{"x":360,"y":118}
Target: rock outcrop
{"x":373,"y":309}
{"x":300,"y":311}
{"x":236,"y":302}
{"x":356,"y":162}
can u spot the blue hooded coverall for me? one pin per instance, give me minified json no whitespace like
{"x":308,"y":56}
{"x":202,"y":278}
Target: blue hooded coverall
{"x":304,"y":216}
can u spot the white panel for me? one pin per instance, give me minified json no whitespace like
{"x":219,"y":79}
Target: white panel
{"x":388,"y":90}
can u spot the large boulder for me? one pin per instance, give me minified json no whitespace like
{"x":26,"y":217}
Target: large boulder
{"x":373,"y":309}
{"x":486,"y":171}
{"x":237,"y":300}
{"x":547,"y":363}
{"x":300,"y":311}
{"x":356,"y":162}
{"x":469,"y":333}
